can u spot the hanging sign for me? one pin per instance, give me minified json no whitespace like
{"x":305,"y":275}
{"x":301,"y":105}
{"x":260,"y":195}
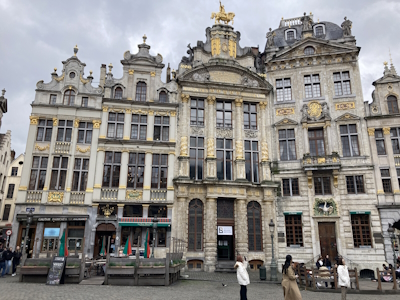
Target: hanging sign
{"x":225,"y":230}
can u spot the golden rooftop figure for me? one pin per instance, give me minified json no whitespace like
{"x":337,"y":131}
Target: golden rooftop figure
{"x":222,"y":15}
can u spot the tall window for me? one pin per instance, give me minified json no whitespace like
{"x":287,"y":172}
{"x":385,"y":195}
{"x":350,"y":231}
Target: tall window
{"x":342,"y":83}
{"x":138,"y":127}
{"x":38,"y":173}
{"x":45,"y":128}
{"x":380,"y":142}
{"x":355,"y":184}
{"x":64,"y":130}
{"x":161,"y":128}
{"x":118,"y":93}
{"x":163,"y":97}
{"x":196,"y":157}
{"x":309,"y":50}
{"x":115,"y":125}
{"x":283,"y":90}
{"x":361,"y":230}
{"x":316,"y":141}
{"x":322,"y":185}
{"x":251,"y":160}
{"x":85,"y":101}
{"x":197,"y":112}
{"x":195,"y":228}
{"x":158,"y":210}
{"x":69,"y":97}
{"x":393,"y":107}
{"x":14,"y":171}
{"x":254,"y":226}
{"x":290,"y":187}
{"x":112,"y":167}
{"x":79,"y":180}
{"x":287,"y":144}
{"x":159,"y":171}
{"x":290,"y":35}
{"x":294,"y":230}
{"x":250,"y":116}
{"x":349,"y":138}
{"x":312,"y":86}
{"x":85,"y":131}
{"x":10,"y":192}
{"x":319,"y":30}
{"x":395,"y":136}
{"x":224,"y":114}
{"x":141,"y":91}
{"x":53,"y":99}
{"x":58,"y":173}
{"x":6,"y":213}
{"x":224,"y":159}
{"x":386,"y":181}
{"x":136,"y":170}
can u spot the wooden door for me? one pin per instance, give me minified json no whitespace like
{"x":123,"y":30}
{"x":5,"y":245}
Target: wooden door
{"x":327,"y":240}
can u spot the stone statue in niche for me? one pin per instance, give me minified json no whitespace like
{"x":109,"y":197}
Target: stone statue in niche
{"x":270,"y":38}
{"x":346,"y":26}
{"x":304,"y":114}
{"x":307,"y":22}
{"x":325,"y":110}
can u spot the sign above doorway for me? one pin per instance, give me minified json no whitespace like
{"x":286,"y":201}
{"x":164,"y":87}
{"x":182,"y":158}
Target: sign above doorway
{"x":225,"y":230}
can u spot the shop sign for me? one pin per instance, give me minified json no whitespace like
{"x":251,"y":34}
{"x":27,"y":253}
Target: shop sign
{"x":225,"y":230}
{"x":359,"y":212}
{"x":57,"y":219}
{"x":28,"y":209}
{"x":291,"y":213}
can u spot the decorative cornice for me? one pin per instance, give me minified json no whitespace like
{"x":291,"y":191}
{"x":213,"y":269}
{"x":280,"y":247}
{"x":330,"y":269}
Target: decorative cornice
{"x":151,"y":112}
{"x":96,"y":124}
{"x":34,"y":120}
{"x":345,"y":105}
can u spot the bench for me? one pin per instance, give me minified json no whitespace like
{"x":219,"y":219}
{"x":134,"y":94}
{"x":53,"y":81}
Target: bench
{"x":386,"y":273}
{"x":320,"y":276}
{"x":304,"y":276}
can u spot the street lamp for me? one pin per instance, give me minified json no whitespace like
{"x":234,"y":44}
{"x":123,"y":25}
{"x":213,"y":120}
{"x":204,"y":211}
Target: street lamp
{"x":273,"y":263}
{"x":155,"y":221}
{"x":392,"y":241}
{"x":29,"y":220}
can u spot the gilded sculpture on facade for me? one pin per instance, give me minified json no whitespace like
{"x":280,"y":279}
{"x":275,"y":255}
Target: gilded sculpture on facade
{"x":222,"y":15}
{"x":184,"y":146}
{"x":210,"y":147}
{"x":264,"y":151}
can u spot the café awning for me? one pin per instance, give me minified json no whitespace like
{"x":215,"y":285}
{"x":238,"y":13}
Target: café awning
{"x":144,"y":222}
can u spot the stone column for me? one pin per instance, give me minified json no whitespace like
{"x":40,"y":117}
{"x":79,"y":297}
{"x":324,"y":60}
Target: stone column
{"x":123,"y":175}
{"x":127,"y":124}
{"x":240,"y":163}
{"x":95,"y":207}
{"x":120,"y":214}
{"x":180,"y":220}
{"x":147,"y":175}
{"x":375,"y":159}
{"x":130,"y":89}
{"x":150,"y":125}
{"x":267,"y":215}
{"x":241,"y":232}
{"x":172,"y":127}
{"x":170,"y":176}
{"x":152,"y":87}
{"x":305,"y":138}
{"x":92,"y":161}
{"x":98,"y":179}
{"x":210,"y":240}
{"x":211,"y":166}
{"x":392,"y":164}
{"x":145,"y":210}
{"x":328,"y":139}
{"x":184,"y":138}
{"x":104,"y":123}
{"x":265,"y":161}
{"x":38,"y":238}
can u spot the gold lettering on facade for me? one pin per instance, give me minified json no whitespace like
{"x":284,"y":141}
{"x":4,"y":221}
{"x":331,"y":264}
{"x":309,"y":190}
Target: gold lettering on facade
{"x":225,"y":77}
{"x":284,"y":111}
{"x":345,"y":105}
{"x":232,"y":48}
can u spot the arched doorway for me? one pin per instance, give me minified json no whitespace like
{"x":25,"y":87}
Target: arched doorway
{"x":103,"y":232}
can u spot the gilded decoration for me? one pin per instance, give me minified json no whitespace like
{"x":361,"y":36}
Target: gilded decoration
{"x":223,"y":92}
{"x":55,"y":197}
{"x":60,"y":78}
{"x":34,"y":120}
{"x":133,"y":195}
{"x":222,"y":15}
{"x":210,"y":147}
{"x":105,"y":108}
{"x":96,"y":124}
{"x":107,"y":210}
{"x":238,"y":102}
{"x":84,"y":81}
{"x":375,"y":109}
{"x":314,"y":109}
{"x":264,"y":151}
{"x":225,"y":77}
{"x":215,"y":46}
{"x":309,"y":177}
{"x":55,"y":122}
{"x":184,"y":146}
{"x":76,"y":123}
{"x":285,"y":111}
{"x":42,"y":148}
{"x":345,"y":105}
{"x":153,"y":74}
{"x":263,"y":105}
{"x":82,"y":150}
{"x":371,"y":131}
{"x":239,"y":149}
{"x":386,"y":130}
{"x":232,"y":48}
{"x":325,"y":207}
{"x":130,"y":72}
{"x":321,"y":160}
{"x":185,"y":98}
{"x":173,"y":113}
{"x":139,"y":112}
{"x":151,"y":112}
{"x":211,"y":99}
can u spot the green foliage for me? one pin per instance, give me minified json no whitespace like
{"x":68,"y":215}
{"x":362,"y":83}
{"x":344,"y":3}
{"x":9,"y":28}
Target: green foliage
{"x":75,"y":265}
{"x":159,"y":264}
{"x":131,"y":264}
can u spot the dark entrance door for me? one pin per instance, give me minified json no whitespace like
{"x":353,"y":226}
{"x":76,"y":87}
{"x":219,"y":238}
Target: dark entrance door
{"x":327,"y":240}
{"x":102,"y":233}
{"x":225,"y":230}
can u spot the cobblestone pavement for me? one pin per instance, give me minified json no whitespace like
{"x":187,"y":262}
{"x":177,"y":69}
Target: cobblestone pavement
{"x":186,"y":289}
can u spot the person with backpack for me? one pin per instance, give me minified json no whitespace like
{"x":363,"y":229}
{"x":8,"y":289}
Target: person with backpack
{"x":2,"y":261}
{"x":16,"y":260}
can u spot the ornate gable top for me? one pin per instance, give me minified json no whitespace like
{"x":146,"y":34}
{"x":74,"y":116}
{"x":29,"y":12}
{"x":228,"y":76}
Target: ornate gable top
{"x":143,"y":55}
{"x":285,"y":122}
{"x":346,"y":117}
{"x":389,"y":75}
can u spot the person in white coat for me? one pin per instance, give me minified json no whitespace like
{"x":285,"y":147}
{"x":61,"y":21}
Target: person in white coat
{"x":344,"y":278}
{"x":242,"y":276}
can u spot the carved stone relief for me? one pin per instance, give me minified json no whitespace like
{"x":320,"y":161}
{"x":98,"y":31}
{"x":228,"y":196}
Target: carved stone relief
{"x":224,"y":133}
{"x":250,"y":134}
{"x":197,"y":130}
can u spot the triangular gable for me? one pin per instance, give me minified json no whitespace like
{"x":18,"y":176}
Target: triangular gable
{"x":285,"y":122}
{"x":347,"y":117}
{"x":387,"y":79}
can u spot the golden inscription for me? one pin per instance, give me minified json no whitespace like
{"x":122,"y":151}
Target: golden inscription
{"x":285,"y":111}
{"x":345,"y":105}
{"x":224,"y":92}
{"x":232,"y":48}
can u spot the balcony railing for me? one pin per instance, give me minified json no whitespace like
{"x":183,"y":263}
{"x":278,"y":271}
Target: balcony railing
{"x":397,"y":160}
{"x":158,"y":195}
{"x":109,"y":194}
{"x":62,"y":147}
{"x":34,"y":196}
{"x":326,"y":162}
{"x":77,"y":198}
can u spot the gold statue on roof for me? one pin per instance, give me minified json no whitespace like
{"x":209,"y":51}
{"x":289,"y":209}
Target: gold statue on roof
{"x":222,"y":15}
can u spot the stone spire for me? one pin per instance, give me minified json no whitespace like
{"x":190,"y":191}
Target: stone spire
{"x":386,"y":71}
{"x":392,"y":68}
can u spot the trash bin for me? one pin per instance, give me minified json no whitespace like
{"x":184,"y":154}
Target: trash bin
{"x":263,"y":273}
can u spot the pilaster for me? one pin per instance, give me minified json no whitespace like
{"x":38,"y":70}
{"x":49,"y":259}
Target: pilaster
{"x":123,"y":175}
{"x":98,"y":179}
{"x":241,"y":231}
{"x":147,"y":175}
{"x":210,"y":240}
{"x":104,"y":123}
{"x":127,"y":124}
{"x":392,"y":164}
{"x":150,"y":125}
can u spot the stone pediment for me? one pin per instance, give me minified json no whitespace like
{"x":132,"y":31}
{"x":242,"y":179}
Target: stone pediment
{"x":387,"y":79}
{"x":346,"y":117}
{"x":285,"y":122}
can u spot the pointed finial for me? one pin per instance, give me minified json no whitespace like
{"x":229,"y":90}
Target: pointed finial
{"x":3,"y":92}
{"x":282,"y":18}
{"x":110,"y":66}
{"x":76,"y":50}
{"x":390,"y":55}
{"x":144,"y":39}
{"x":55,"y":70}
{"x":310,"y":13}
{"x":385,"y":63}
{"x":91,"y":72}
{"x":318,"y":20}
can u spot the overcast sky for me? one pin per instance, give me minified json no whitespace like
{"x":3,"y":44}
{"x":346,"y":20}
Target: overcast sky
{"x":35,"y":36}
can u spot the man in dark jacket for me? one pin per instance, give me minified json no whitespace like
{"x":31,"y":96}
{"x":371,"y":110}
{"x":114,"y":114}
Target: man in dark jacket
{"x":17,"y":257}
{"x":8,"y":255}
{"x":2,"y":261}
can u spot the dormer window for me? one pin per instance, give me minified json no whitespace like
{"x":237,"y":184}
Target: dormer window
{"x":163,"y":97}
{"x":393,"y":107}
{"x":309,"y":50}
{"x":118,"y":93}
{"x":290,"y":34}
{"x":69,"y":97}
{"x":319,"y":30}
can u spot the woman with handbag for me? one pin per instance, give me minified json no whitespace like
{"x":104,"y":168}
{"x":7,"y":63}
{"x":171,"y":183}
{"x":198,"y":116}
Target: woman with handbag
{"x":289,"y":284}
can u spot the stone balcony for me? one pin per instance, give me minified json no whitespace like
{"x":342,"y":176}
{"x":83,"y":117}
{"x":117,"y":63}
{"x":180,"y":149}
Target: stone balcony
{"x":158,"y":195}
{"x":321,"y":163}
{"x":397,"y":160}
{"x":77,"y":198}
{"x":34,"y":196}
{"x":109,"y":194}
{"x":62,"y":147}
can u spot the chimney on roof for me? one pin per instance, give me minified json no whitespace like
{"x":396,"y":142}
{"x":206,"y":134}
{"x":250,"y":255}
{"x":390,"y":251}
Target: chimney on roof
{"x":103,"y":70}
{"x":168,"y":74}
{"x":12,"y":154}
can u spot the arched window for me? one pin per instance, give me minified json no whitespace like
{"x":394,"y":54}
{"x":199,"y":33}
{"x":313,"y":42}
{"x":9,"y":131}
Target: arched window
{"x":195,"y":230}
{"x":319,"y":30}
{"x":141,"y":91}
{"x":118,"y":93}
{"x":163,"y":98}
{"x":393,"y":107}
{"x":309,"y":50}
{"x":290,"y":34}
{"x":254,"y":226}
{"x":69,"y":97}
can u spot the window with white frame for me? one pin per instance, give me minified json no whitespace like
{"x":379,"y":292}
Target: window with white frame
{"x":79,"y":180}
{"x":112,"y":167}
{"x":138,"y":127}
{"x":64,"y":131}
{"x":59,"y":173}
{"x":161,"y":128}
{"x":386,"y":181}
{"x":251,"y":160}
{"x":349,"y":138}
{"x":115,"y":125}
{"x":341,"y":82}
{"x":290,"y":34}
{"x":85,"y":101}
{"x":312,"y":86}
{"x":319,"y":30}
{"x":283,"y":90}
{"x":44,"y":131}
{"x":69,"y":97}
{"x":136,"y":170}
{"x":53,"y":99}
{"x":38,"y":173}
{"x":118,"y":93}
{"x":85,"y":131}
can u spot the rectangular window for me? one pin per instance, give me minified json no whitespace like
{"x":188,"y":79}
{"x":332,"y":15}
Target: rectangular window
{"x":10,"y":192}
{"x":224,"y":114}
{"x":287,"y":144}
{"x":139,"y":127}
{"x":75,"y":236}
{"x":380,"y":142}
{"x":64,"y":131}
{"x":386,"y":181}
{"x":341,"y":82}
{"x":355,"y":184}
{"x":136,"y":170}
{"x":290,"y":187}
{"x":283,"y":90}
{"x":53,"y":99}
{"x":319,"y":30}
{"x":224,"y":159}
{"x":45,"y":128}
{"x":197,"y":112}
{"x":58,"y":173}
{"x":251,"y":160}
{"x":398,"y":175}
{"x":161,"y":128}
{"x":85,"y":131}
{"x":6,"y":213}
{"x":322,"y":185}
{"x":196,"y":157}
{"x":395,"y":136}
{"x":250,"y":116}
{"x":361,"y":230}
{"x":79,"y":180}
{"x":290,"y":35}
{"x":112,"y":167}
{"x":316,"y":141}
{"x":312,"y":86}
{"x":159,"y":171}
{"x":38,"y":173}
{"x":115,"y":125}
{"x":85,"y":101}
{"x":14,"y":171}
{"x":349,"y":138}
{"x":294,"y":230}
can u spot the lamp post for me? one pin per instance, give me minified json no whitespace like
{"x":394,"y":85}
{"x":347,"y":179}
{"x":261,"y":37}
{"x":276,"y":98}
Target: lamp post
{"x":155,"y":221}
{"x":29,"y":220}
{"x":273,"y":263}
{"x":392,"y":241}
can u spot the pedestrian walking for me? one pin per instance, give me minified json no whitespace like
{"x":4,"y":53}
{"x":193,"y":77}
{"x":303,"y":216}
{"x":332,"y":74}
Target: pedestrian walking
{"x":2,"y":261}
{"x":289,"y":284}
{"x":16,"y":260}
{"x":344,"y":278}
{"x":8,"y":255}
{"x":242,"y":276}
